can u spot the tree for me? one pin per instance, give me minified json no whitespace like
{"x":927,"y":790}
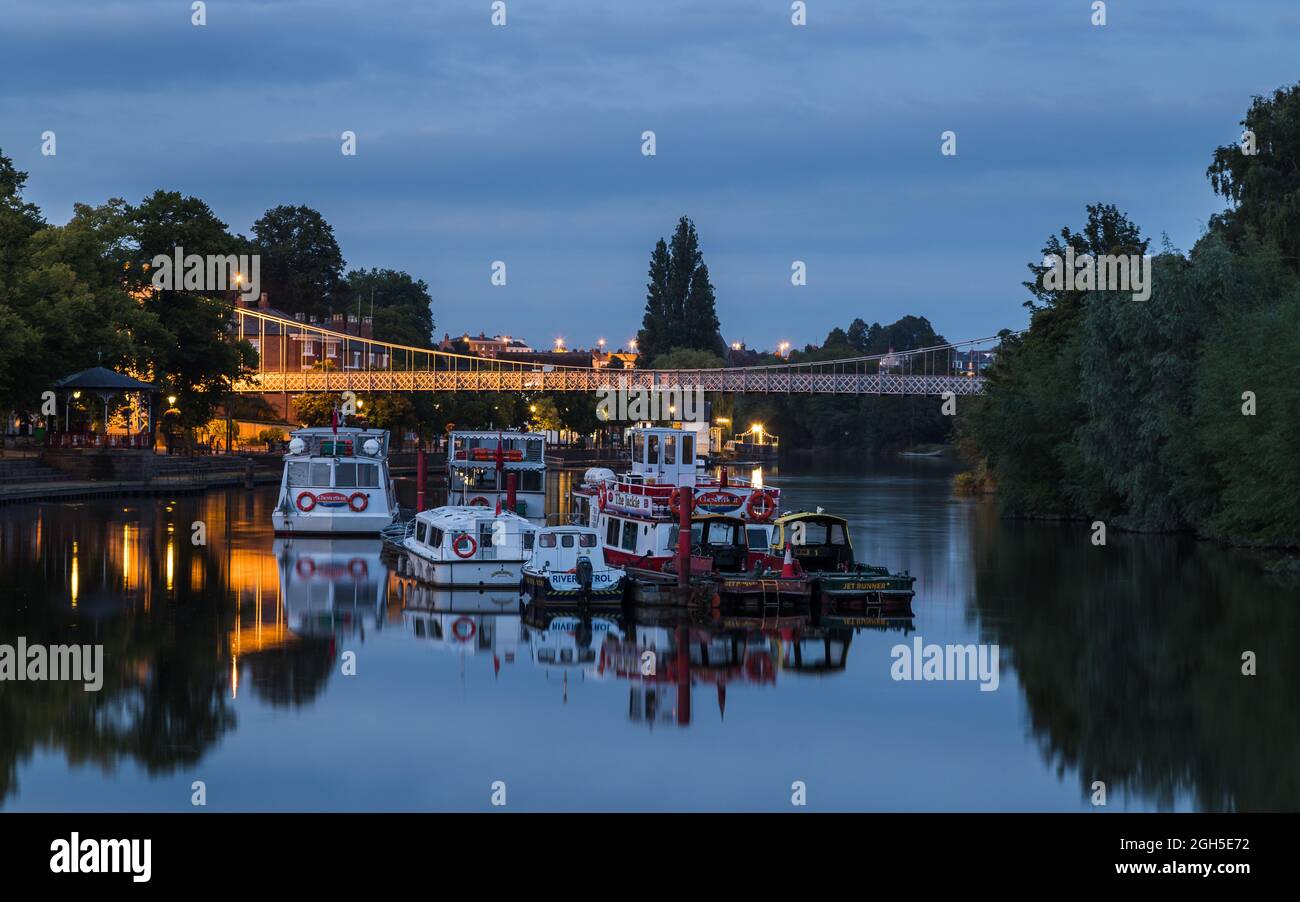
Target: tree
{"x":680,"y":304}
{"x":195,"y":359}
{"x":1263,"y":188}
{"x":403,"y":310}
{"x":301,"y":264}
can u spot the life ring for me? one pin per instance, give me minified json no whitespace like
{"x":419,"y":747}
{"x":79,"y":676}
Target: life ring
{"x":305,"y":566}
{"x":479,"y":500}
{"x":769,"y":506}
{"x":458,"y":629}
{"x":473,"y":546}
{"x":602,"y":495}
{"x":306,"y":501}
{"x":357,"y":568}
{"x":358,"y":501}
{"x":675,"y":501}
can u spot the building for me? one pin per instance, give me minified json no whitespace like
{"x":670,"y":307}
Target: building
{"x":301,"y":349}
{"x":483,"y":346}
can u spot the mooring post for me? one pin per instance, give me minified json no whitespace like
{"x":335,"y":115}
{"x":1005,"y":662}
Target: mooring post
{"x":687,"y":496}
{"x":419,"y":480}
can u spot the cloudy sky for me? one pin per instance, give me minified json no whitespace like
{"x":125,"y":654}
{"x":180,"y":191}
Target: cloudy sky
{"x":523,"y":143}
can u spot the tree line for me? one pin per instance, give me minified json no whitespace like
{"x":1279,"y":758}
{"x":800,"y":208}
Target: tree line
{"x":1180,"y":413}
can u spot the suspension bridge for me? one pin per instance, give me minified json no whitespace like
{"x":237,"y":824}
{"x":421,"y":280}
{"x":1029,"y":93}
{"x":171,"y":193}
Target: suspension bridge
{"x":296,"y":356}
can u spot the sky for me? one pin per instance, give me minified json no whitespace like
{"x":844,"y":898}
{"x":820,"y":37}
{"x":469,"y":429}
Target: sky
{"x":522,"y":143}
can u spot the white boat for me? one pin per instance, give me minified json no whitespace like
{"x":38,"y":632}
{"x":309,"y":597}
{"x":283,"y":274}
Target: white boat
{"x":335,"y":482}
{"x":480,"y":464}
{"x":568,"y":562}
{"x":470,"y":546}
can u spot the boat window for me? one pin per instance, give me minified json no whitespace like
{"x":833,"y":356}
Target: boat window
{"x":480,"y":479}
{"x":814,"y":533}
{"x":757,"y":537}
{"x":611,"y":534}
{"x":652,"y":452}
{"x":638,"y":447}
{"x":670,"y":449}
{"x":345,"y":475}
{"x":545,"y":655}
{"x":528,"y":541}
{"x":320,"y":473}
{"x":566,"y":540}
{"x":629,"y":535}
{"x":548,"y":540}
{"x":839,"y":535}
{"x":586,"y":540}
{"x":419,"y":530}
{"x":485,"y":532}
{"x":368,"y":476}
{"x":530,"y":480}
{"x":722,"y":534}
{"x":688,"y":449}
{"x":435,"y":537}
{"x":299,"y":473}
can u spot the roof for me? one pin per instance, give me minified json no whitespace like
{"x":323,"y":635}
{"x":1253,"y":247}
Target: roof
{"x":99,"y":378}
{"x":809,"y":515}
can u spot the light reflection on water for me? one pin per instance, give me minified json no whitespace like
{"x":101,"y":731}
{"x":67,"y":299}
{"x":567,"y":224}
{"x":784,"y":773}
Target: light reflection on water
{"x":226,"y":665}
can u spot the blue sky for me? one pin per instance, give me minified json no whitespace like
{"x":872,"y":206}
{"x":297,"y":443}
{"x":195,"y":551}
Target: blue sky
{"x":819,"y":143}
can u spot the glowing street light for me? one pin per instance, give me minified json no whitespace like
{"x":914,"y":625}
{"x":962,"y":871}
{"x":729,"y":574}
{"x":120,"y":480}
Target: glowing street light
{"x":171,"y":400}
{"x":783,"y":348}
{"x":601,"y":342}
{"x":631,"y":345}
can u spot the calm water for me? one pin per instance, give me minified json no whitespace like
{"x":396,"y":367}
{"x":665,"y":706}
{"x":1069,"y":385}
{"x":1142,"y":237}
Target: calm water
{"x":224,"y":664}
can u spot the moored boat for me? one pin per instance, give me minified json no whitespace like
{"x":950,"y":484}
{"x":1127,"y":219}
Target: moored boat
{"x":481,"y":464}
{"x":567,"y":562}
{"x":820,"y":543}
{"x":635,"y":514}
{"x":335,"y":482}
{"x":721,"y":556}
{"x":469,"y":546}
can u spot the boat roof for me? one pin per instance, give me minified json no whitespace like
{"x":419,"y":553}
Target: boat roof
{"x":453,"y":514}
{"x":493,"y":433}
{"x":342,"y":430}
{"x":808,"y":515}
{"x":569,"y":527}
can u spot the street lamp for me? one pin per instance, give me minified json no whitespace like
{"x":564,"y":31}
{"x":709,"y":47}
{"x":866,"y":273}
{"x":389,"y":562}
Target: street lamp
{"x":171,"y":400}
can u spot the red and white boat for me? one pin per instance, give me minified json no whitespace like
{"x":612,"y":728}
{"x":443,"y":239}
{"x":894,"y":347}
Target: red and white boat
{"x":636,"y":514}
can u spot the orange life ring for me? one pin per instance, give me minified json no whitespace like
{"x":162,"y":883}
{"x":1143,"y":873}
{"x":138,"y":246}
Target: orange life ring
{"x":479,"y":500}
{"x":473,"y":546}
{"x":675,"y":501}
{"x":354,"y":498}
{"x":603,"y":495}
{"x":309,"y":498}
{"x":769,"y":506}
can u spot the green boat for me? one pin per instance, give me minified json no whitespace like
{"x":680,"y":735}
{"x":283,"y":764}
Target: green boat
{"x":820,"y":544}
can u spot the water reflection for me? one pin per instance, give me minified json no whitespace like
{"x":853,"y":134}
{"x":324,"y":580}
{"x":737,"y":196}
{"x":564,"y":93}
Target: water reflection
{"x":1120,"y":664}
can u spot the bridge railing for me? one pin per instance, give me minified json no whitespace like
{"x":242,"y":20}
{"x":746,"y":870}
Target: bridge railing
{"x":297,"y":356}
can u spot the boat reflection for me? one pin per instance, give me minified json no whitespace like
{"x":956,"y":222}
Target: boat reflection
{"x":332,"y":586}
{"x":462,"y":621}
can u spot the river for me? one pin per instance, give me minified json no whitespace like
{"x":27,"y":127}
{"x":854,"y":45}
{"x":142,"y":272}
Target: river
{"x":225,"y":665}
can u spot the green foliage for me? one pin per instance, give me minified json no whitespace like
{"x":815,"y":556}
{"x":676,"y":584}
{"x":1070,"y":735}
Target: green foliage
{"x":403,"y":310}
{"x":680,"y":309}
{"x":687,"y":359}
{"x":302,"y":266}
{"x":1137,"y":412}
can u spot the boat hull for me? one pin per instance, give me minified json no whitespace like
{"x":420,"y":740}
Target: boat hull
{"x":329,"y":524}
{"x":473,"y":574}
{"x":539,"y":587}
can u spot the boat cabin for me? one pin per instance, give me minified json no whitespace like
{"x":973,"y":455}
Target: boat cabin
{"x":819,"y":542}
{"x":663,"y":456}
{"x":479,"y":465}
